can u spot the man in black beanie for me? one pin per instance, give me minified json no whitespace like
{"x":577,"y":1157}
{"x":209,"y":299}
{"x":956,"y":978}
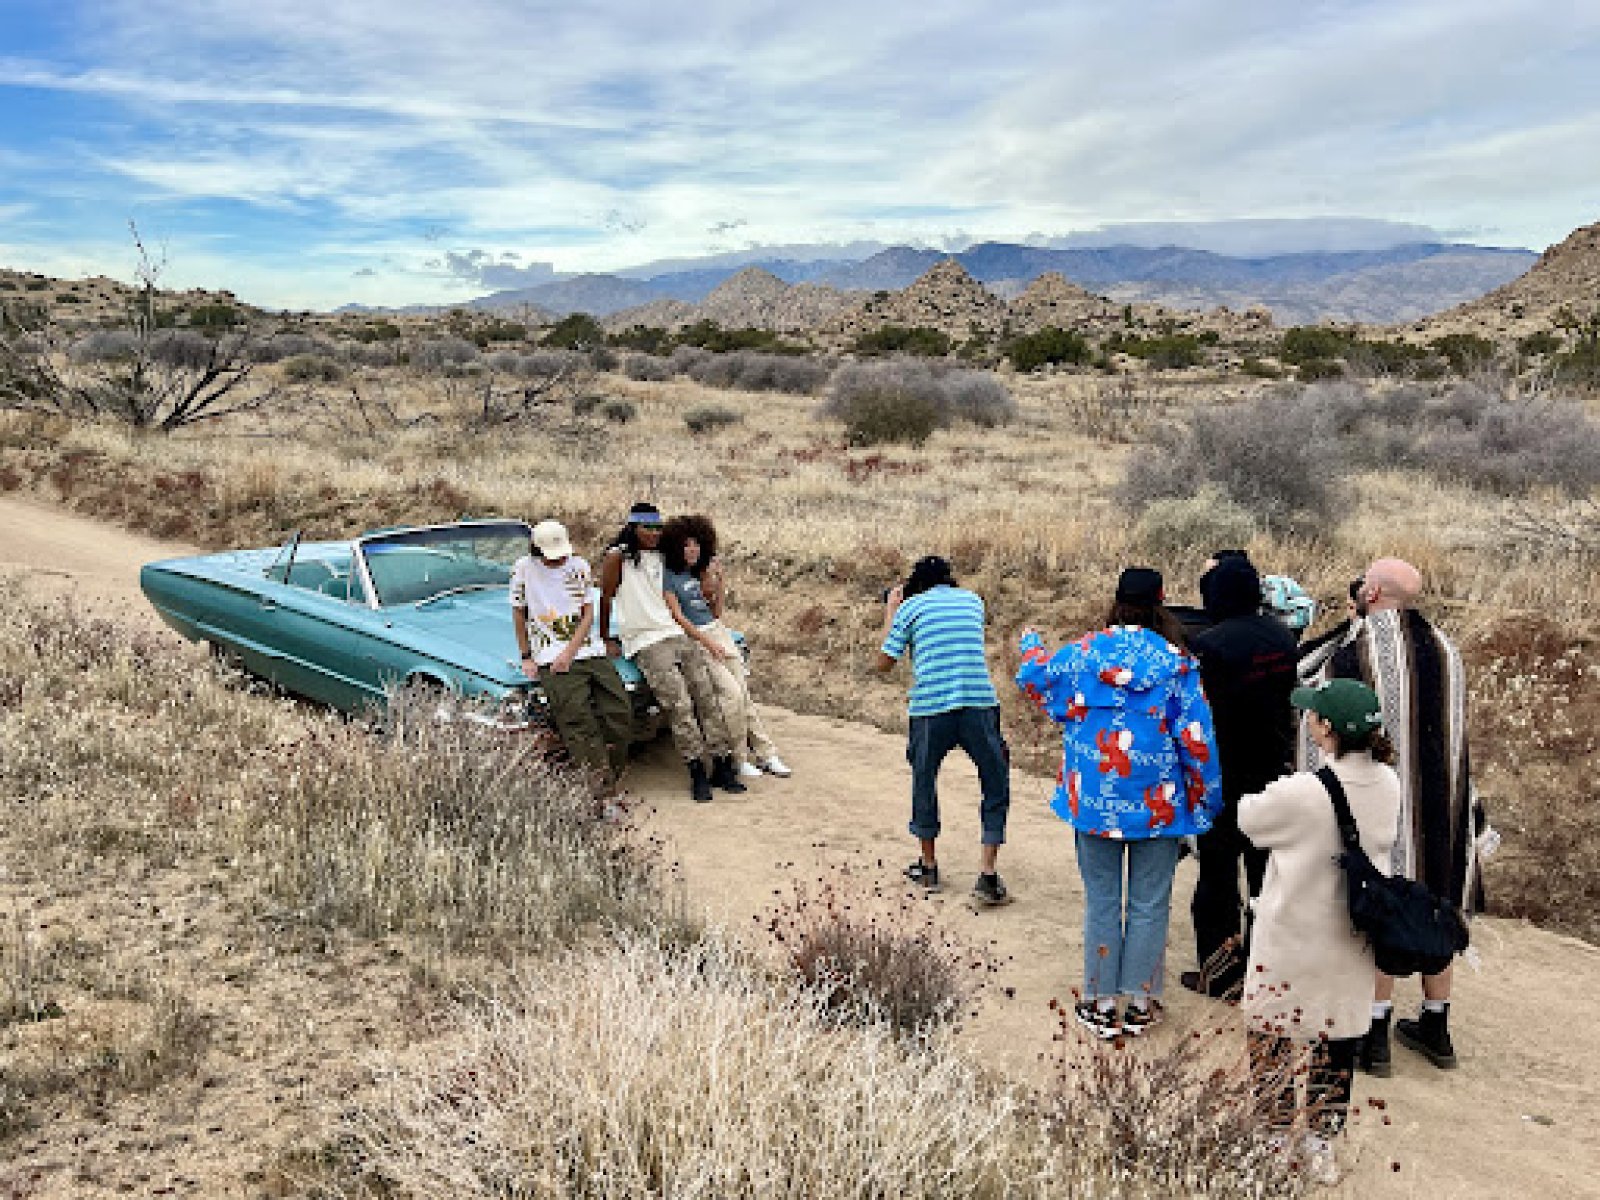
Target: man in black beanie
{"x":1247,"y":664}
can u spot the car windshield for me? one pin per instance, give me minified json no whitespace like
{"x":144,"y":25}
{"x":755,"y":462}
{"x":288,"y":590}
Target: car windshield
{"x":415,"y":565}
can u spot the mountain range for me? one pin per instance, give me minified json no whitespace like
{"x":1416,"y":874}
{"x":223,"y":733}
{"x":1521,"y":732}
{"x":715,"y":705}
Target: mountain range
{"x":1389,"y":285}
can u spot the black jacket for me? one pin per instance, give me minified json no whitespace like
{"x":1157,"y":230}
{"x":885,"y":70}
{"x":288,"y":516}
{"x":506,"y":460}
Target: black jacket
{"x":1247,"y":664}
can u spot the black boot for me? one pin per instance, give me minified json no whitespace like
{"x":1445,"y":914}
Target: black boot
{"x":1374,"y":1053}
{"x":725,"y":774}
{"x":699,"y":785}
{"x":1429,"y":1036}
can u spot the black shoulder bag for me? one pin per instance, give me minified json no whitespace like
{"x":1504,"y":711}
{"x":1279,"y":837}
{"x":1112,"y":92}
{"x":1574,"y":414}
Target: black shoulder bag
{"x":1410,"y":929}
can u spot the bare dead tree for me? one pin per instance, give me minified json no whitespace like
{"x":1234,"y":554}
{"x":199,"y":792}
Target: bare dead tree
{"x":160,"y":384}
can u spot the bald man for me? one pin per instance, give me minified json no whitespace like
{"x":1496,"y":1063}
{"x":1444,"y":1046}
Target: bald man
{"x":1418,"y":676}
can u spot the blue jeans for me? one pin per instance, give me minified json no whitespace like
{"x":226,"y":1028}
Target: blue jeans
{"x":1125,"y":954}
{"x":977,"y":731}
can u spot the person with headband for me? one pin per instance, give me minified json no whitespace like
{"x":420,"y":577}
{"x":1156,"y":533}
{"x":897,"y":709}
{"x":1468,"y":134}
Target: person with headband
{"x":637,"y":623}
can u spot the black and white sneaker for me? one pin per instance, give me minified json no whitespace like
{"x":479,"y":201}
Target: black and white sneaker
{"x":1136,"y":1020}
{"x":1102,"y":1022}
{"x":922,"y":874}
{"x":990,"y":891}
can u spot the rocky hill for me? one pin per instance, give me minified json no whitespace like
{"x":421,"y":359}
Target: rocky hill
{"x":1565,"y":280}
{"x":84,"y":302}
{"x":946,"y":298}
{"x":757,"y":299}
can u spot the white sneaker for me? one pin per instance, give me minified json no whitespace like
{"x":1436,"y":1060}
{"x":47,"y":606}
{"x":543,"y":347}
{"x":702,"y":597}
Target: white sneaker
{"x":1322,"y":1164}
{"x":776,"y":766}
{"x":749,"y":771}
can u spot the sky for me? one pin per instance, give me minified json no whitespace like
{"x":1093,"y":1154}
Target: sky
{"x":309,"y":153}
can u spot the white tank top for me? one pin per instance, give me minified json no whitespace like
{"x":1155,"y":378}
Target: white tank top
{"x":639,"y":612}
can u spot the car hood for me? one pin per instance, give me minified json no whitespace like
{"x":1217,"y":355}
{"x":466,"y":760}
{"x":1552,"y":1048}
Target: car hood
{"x":472,"y":629}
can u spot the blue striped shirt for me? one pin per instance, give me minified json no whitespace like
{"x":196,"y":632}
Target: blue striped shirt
{"x":943,"y":628}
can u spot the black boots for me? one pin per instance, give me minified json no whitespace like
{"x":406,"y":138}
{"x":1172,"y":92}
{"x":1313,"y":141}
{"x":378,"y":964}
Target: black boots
{"x":1429,"y":1036}
{"x":1374,"y":1053}
{"x":699,"y":783}
{"x":725,"y":774}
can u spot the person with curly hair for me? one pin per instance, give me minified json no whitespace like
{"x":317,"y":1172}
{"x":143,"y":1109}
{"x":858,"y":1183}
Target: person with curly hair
{"x":696,"y":591}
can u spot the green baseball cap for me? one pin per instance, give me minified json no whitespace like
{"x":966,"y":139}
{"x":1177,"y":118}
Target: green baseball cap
{"x":1349,"y":705}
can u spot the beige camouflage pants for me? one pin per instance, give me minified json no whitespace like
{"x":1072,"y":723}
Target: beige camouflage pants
{"x":731,"y":679}
{"x":679,"y":673}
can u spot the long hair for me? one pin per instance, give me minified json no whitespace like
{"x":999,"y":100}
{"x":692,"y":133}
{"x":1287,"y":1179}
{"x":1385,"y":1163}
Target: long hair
{"x":678,"y":531}
{"x":628,"y":542}
{"x":1155,"y":617}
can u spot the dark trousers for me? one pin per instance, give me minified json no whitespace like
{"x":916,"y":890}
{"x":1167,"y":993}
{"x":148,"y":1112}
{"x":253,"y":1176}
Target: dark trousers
{"x":593,"y":714}
{"x":1218,"y":906}
{"x":977,"y":731}
{"x":1274,"y":1062}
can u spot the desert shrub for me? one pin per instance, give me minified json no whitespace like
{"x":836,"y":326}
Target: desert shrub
{"x":1260,"y":369}
{"x":438,"y":354}
{"x":1174,"y":528}
{"x":646,"y":368}
{"x":684,"y":358}
{"x":619,"y":411}
{"x":575,"y":331}
{"x":708,"y":335}
{"x":1311,"y":343}
{"x":753,"y":372}
{"x":182,"y":348}
{"x":1539,"y":343}
{"x":1515,"y":444}
{"x":104,"y":345}
{"x":919,"y":340}
{"x":711,"y":418}
{"x":887,"y":402}
{"x":313,"y":368}
{"x":1049,"y":346}
{"x":1311,"y":370}
{"x":372,"y":354}
{"x":377,"y":331}
{"x":643,"y":339}
{"x":979,"y":398}
{"x":1273,"y":457}
{"x":1164,"y":352}
{"x":1465,"y":352}
{"x":213,"y":316}
{"x":495,"y":329}
{"x":875,"y":957}
{"x":603,"y":358}
{"x":283,"y":346}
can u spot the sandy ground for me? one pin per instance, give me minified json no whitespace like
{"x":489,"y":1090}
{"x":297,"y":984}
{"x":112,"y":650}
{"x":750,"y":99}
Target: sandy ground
{"x":1521,"y":1117}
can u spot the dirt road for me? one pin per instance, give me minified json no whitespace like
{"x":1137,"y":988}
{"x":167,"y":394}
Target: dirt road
{"x":1521,"y":1117}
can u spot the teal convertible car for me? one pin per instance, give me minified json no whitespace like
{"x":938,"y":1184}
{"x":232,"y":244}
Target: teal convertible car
{"x":345,"y":622}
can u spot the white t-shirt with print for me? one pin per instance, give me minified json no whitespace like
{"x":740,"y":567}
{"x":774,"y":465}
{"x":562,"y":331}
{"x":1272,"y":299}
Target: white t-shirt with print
{"x":554,"y":598}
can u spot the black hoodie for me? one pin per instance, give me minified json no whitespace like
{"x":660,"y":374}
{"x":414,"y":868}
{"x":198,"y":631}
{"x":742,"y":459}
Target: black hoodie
{"x":1247,"y":664}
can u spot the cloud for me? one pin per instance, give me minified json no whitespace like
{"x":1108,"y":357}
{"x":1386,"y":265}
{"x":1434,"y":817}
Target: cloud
{"x":583,"y":137}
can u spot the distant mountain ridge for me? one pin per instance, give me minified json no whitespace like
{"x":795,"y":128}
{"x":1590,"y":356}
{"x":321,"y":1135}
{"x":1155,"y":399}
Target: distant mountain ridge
{"x":1397,"y":284}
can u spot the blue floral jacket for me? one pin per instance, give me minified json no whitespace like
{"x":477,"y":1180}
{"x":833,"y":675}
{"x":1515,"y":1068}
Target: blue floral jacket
{"x":1139,"y":753}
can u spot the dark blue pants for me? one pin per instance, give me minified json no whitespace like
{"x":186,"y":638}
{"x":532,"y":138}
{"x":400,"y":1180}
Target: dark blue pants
{"x":977,"y":731}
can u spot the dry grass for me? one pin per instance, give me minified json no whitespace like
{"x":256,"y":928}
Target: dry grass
{"x":633,"y":1070}
{"x":813,"y":529}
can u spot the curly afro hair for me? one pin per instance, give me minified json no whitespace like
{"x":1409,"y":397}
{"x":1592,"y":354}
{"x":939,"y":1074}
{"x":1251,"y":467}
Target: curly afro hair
{"x":678,"y":531}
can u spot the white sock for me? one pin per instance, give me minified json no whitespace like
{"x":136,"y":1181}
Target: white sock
{"x":1142,"y":1003}
{"x":1106,"y":1004}
{"x":1381,"y":1009}
{"x":1435,"y":1006}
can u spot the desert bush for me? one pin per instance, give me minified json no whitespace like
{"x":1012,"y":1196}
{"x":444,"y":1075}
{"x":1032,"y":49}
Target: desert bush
{"x":710,"y":418}
{"x":619,"y":411}
{"x":1164,"y":352}
{"x":645,"y":339}
{"x":437,"y":354}
{"x":919,"y":340}
{"x":708,"y":335}
{"x":313,"y":368}
{"x":283,"y":346}
{"x":1273,"y":456}
{"x":1175,"y":528}
{"x":1465,"y":352}
{"x":182,"y":348}
{"x":103,"y":345}
{"x":1540,"y":342}
{"x":748,"y":371}
{"x":575,"y":331}
{"x":1260,"y":369}
{"x":1049,"y":346}
{"x":873,"y":957}
{"x":372,"y":354}
{"x":646,"y":368}
{"x":978,"y":398}
{"x":684,"y":358}
{"x":887,"y":402}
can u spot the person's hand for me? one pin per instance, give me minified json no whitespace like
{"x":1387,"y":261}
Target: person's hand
{"x":563,"y":662}
{"x":530,"y":668}
{"x":613,"y":647}
{"x":893,"y":597}
{"x":712,"y":574}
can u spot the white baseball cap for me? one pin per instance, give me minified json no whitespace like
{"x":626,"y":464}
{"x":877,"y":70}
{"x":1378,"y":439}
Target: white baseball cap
{"x":551,"y":540}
